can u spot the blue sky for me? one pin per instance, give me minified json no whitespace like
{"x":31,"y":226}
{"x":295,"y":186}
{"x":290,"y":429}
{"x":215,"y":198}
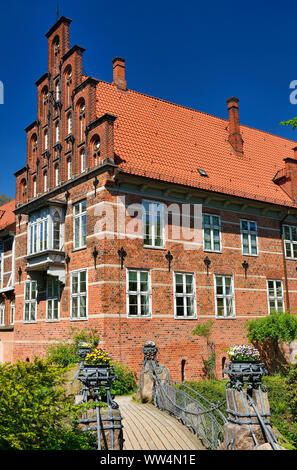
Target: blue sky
{"x":193,"y":53}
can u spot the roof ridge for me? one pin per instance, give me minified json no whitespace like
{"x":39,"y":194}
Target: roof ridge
{"x":200,"y":112}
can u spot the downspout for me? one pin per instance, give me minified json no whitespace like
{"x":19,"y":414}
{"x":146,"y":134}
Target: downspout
{"x":284,"y":260}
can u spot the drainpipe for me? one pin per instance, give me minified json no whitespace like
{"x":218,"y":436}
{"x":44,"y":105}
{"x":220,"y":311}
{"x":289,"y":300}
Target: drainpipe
{"x":284,"y":260}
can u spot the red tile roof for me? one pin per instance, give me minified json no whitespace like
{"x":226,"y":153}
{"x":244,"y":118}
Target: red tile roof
{"x":7,"y":216}
{"x":169,"y":142}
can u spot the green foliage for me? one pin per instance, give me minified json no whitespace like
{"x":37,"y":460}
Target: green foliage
{"x":275,"y":327}
{"x":282,"y":395}
{"x":282,"y":392}
{"x":64,"y":353}
{"x":35,"y":411}
{"x":209,"y":364}
{"x":290,"y":122}
{"x":213,"y":390}
{"x":203,"y":329}
{"x":126,"y":381}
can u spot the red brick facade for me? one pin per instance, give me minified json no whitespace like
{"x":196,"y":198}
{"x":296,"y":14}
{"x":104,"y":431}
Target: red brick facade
{"x":108,"y":143}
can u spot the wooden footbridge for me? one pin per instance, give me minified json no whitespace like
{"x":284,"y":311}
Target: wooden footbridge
{"x":145,"y":427}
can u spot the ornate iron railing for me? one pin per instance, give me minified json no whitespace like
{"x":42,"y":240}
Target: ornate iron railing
{"x":245,"y":380}
{"x":201,"y":416}
{"x":97,"y":381}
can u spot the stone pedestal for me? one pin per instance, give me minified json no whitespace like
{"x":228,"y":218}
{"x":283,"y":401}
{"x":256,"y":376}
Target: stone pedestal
{"x":244,"y":430}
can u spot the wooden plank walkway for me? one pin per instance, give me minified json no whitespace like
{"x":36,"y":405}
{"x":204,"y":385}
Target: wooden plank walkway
{"x":148,"y":428}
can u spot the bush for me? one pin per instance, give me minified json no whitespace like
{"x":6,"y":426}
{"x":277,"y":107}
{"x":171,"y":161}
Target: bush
{"x":213,"y":390}
{"x":126,"y":381}
{"x":282,"y":395}
{"x":35,"y":412}
{"x":64,"y":353}
{"x":268,"y":332}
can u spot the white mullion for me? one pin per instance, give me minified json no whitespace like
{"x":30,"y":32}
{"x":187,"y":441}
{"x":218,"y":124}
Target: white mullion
{"x":138,"y":295}
{"x":224,"y":296}
{"x":152,"y":222}
{"x":184,"y":294}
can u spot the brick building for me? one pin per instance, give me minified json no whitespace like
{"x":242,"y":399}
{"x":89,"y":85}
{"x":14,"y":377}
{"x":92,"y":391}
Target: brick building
{"x":112,"y":179}
{"x":7,"y":280}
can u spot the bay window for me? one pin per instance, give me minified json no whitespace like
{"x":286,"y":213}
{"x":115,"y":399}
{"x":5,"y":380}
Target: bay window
{"x":45,"y":230}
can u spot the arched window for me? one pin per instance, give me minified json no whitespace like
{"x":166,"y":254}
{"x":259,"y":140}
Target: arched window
{"x":83,"y":161}
{"x":34,"y":187}
{"x":56,"y":45}
{"x":57,"y":132}
{"x":96,"y":150}
{"x":57,"y":174}
{"x":45,"y":181}
{"x":68,"y":82}
{"x":56,"y":231}
{"x":82,"y":120}
{"x":45,"y":101}
{"x":69,"y":168}
{"x":33,"y":144}
{"x":45,"y":139}
{"x":58,"y":91}
{"x":69,"y":123}
{"x":23,"y":189}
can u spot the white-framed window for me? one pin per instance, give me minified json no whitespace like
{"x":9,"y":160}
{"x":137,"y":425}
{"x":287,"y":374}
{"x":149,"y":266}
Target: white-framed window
{"x":45,"y":230}
{"x":80,"y":224}
{"x":56,"y":224}
{"x":69,"y":123}
{"x":82,"y":121}
{"x":12,"y":311}
{"x":69,"y":168}
{"x":83,"y":161}
{"x":79,"y":295}
{"x":96,"y":151}
{"x":290,"y":241}
{"x":184,"y":295}
{"x":52,"y":298}
{"x":212,"y":232}
{"x":138,"y":293}
{"x":249,"y":237}
{"x":38,"y":231}
{"x":57,"y":174}
{"x":58,"y":93}
{"x":2,"y":313}
{"x":45,"y":139}
{"x":275,"y":295}
{"x":224,"y":296}
{"x":153,"y":224}
{"x":45,"y":181}
{"x":57,"y":127}
{"x":34,"y":187}
{"x":30,"y":304}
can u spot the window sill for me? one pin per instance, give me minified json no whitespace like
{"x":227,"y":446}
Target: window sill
{"x":79,"y":319}
{"x":74,"y":250}
{"x":6,"y":328}
{"x":145,"y":317}
{"x":154,"y":247}
{"x":212,"y":251}
{"x":253,"y":256}
{"x":226,"y":318}
{"x":185,"y":318}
